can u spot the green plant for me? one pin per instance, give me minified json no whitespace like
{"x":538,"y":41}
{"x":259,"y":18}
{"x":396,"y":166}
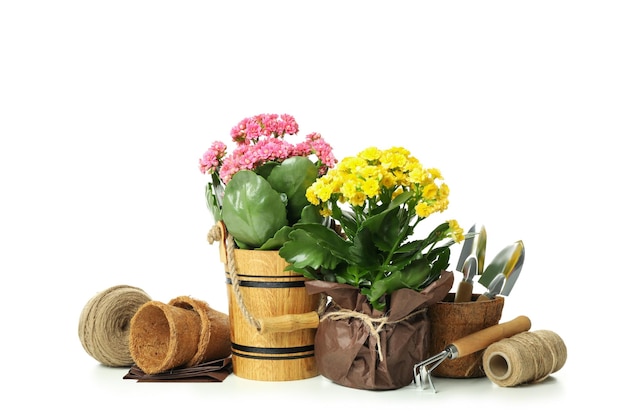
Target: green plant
{"x":377,"y":199}
{"x":258,"y":190}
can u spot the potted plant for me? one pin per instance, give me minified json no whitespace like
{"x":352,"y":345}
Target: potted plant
{"x":258,"y":190}
{"x":256,"y":193}
{"x":378,"y":274}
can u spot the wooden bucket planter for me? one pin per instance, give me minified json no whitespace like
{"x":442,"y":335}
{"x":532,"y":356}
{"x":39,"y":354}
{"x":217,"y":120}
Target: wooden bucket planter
{"x":273,"y":319}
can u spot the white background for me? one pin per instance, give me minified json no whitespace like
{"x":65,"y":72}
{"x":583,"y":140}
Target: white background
{"x":105,"y":108}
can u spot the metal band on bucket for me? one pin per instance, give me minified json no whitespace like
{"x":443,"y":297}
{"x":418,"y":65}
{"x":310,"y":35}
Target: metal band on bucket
{"x":273,"y":353}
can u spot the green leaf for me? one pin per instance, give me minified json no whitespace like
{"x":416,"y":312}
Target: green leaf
{"x":328,"y":239}
{"x":311,"y":214}
{"x":346,"y":218}
{"x":390,"y":226}
{"x":363,"y":252}
{"x":253,"y":211}
{"x":355,"y":276}
{"x":439,"y":259}
{"x":275,"y":242}
{"x":413,"y":276}
{"x":265,"y":169}
{"x":437,"y":234}
{"x":401,"y":199}
{"x":305,"y":250}
{"x":386,"y":230}
{"x":293,"y":176}
{"x":212,"y":202}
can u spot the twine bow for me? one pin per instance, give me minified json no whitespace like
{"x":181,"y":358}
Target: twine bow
{"x":374,"y":325}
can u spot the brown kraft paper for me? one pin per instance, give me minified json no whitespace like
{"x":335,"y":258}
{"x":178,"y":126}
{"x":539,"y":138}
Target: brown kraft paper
{"x":359,"y":347}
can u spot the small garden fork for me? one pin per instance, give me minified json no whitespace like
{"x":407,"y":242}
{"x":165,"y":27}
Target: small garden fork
{"x":465,"y":346}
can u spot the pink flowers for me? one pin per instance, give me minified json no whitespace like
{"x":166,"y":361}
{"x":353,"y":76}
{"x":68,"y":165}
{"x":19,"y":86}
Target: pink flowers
{"x":264,"y":125}
{"x":212,"y":158}
{"x":260,"y":139}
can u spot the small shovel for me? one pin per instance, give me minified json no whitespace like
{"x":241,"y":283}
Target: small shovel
{"x":506,"y":265}
{"x":466,"y":346}
{"x":495,"y":288}
{"x":471,"y":263}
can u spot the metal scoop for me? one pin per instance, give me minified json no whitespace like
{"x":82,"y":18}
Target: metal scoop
{"x":495,"y":287}
{"x":466,"y":346}
{"x":509,"y":263}
{"x":471,"y":262}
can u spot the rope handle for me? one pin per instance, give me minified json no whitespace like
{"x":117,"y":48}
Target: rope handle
{"x":284,"y":323}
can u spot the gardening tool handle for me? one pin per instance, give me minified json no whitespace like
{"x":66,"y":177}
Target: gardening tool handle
{"x":483,"y":338}
{"x":483,"y":297}
{"x":289,"y":322}
{"x":464,"y":292}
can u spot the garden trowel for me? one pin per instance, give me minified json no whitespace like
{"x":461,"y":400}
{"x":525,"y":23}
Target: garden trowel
{"x":506,"y":266}
{"x":495,"y":288}
{"x":471,"y":262}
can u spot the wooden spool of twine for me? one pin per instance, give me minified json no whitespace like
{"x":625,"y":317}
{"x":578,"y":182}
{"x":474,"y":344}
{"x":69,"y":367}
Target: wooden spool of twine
{"x":104,"y":324}
{"x":527,"y":357}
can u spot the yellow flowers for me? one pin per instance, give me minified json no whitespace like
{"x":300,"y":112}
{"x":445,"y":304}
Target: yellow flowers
{"x":374,"y":176}
{"x":376,"y":200}
{"x":456,"y":231}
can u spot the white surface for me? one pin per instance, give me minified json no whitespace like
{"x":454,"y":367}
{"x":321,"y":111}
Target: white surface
{"x":105,"y":108}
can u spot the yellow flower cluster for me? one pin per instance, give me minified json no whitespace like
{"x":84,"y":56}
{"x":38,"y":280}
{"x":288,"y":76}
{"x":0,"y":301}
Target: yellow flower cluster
{"x":372,"y":173}
{"x":456,"y":231}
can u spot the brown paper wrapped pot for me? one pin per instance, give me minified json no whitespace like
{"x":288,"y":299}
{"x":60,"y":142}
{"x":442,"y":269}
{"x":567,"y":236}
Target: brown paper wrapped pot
{"x":451,"y":321}
{"x":359,"y":347}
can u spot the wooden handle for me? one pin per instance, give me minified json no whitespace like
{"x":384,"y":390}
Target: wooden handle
{"x":483,"y":338}
{"x":483,"y":297}
{"x":464,"y":292}
{"x":289,"y":323}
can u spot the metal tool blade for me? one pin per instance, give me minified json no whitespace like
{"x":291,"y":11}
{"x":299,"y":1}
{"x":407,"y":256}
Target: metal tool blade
{"x":495,"y":286}
{"x":422,"y":370}
{"x":517,"y":268}
{"x":505,"y":262}
{"x":466,"y":249}
{"x":480,"y":249}
{"x":471,"y":262}
{"x":472,"y":257}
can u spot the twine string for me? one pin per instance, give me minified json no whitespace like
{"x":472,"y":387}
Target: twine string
{"x":234,"y":277}
{"x":528,"y":357}
{"x":104,"y":324}
{"x":374,"y":324}
{"x":215,"y":235}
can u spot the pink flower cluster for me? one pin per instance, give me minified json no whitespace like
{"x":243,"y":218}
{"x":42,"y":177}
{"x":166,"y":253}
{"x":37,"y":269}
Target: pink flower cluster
{"x":212,"y":158}
{"x":260,"y":139}
{"x":252,"y":129}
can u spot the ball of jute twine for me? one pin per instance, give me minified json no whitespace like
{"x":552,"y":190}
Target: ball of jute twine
{"x":215,"y":235}
{"x":528,"y":357}
{"x":104,"y":324}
